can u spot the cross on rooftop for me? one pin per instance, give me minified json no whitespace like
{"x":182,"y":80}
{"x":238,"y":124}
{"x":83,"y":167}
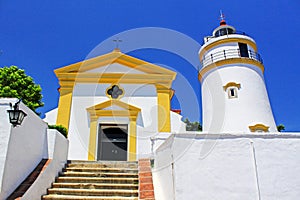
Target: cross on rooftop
{"x":222,"y":16}
{"x":117,"y":41}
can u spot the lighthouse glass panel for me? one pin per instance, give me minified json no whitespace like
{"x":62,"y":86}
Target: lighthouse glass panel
{"x":224,"y":31}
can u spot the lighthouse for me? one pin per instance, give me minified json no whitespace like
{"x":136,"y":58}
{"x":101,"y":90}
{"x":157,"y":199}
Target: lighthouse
{"x":234,"y":95}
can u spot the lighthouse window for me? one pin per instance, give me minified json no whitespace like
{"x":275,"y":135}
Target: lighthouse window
{"x":231,"y":89}
{"x":224,"y":31}
{"x":232,"y":92}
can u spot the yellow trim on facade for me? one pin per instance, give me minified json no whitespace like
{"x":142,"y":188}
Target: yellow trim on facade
{"x":93,"y":139}
{"x":226,"y":41}
{"x":240,"y":60}
{"x":172,"y":93}
{"x":163,"y":106}
{"x":231,"y":84}
{"x":116,"y":78}
{"x":112,"y":102}
{"x":257,"y":127}
{"x":98,"y":111}
{"x":64,"y":106}
{"x":132,"y":140}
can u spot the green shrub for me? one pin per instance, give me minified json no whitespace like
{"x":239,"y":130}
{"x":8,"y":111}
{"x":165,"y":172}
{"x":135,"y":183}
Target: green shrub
{"x":192,"y":126}
{"x":63,"y":130}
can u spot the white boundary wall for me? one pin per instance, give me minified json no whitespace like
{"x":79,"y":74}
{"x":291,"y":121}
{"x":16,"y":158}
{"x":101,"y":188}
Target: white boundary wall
{"x":23,"y":149}
{"x":58,"y":153}
{"x":24,"y":146}
{"x":228,"y":167}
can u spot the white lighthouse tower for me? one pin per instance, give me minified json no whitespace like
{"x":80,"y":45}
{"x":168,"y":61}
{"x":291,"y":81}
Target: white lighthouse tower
{"x":234,"y":95}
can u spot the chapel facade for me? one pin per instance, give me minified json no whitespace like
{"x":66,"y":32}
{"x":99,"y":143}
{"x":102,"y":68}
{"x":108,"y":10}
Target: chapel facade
{"x":113,"y":104}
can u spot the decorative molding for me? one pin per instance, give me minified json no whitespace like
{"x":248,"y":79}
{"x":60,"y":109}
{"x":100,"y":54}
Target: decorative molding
{"x":240,"y":60}
{"x":257,"y":127}
{"x":115,"y":78}
{"x":231,"y":84}
{"x":112,"y":102}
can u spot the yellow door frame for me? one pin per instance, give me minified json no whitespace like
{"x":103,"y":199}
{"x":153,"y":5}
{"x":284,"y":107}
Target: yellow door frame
{"x":98,"y":111}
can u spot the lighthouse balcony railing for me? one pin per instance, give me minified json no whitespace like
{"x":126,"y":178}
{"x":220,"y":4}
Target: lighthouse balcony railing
{"x":229,"y":54}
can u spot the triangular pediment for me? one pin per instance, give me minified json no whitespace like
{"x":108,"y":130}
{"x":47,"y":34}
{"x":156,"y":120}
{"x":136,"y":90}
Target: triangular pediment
{"x":115,"y":108}
{"x":114,"y":61}
{"x":115,"y":68}
{"x":113,"y":105}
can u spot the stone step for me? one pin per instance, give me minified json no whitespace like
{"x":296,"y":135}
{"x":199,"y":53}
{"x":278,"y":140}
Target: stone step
{"x":95,"y":180}
{"x":102,"y":161}
{"x":98,"y":174}
{"x":96,"y":170}
{"x":72,"y":197}
{"x":99,"y":180}
{"x":95,"y":186}
{"x":105,"y":164}
{"x":93,"y":192}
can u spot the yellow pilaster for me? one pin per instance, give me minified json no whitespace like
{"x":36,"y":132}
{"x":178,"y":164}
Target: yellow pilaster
{"x":132,"y":139}
{"x":163,"y":102}
{"x":93,"y":138}
{"x":64,"y":106}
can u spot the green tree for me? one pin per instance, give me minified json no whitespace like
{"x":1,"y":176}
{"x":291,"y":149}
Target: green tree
{"x":15,"y":83}
{"x":280,"y":127}
{"x":192,"y":126}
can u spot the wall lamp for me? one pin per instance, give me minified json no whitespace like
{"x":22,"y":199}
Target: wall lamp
{"x":16,"y":115}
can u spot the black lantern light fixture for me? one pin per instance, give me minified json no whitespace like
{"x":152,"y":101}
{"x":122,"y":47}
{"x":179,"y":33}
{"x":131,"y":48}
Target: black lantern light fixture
{"x":16,"y":116}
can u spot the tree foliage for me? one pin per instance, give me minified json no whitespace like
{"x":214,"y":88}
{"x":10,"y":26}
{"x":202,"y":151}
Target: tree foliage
{"x":15,"y":83}
{"x":63,"y":130}
{"x":280,"y":127}
{"x":192,"y":126}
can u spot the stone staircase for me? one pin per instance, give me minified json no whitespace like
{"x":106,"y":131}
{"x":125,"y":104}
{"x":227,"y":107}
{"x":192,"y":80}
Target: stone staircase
{"x":99,"y":180}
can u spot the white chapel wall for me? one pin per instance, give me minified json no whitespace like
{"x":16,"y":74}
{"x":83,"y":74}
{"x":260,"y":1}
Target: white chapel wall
{"x":87,"y":95}
{"x":50,"y":116}
{"x":177,"y":125}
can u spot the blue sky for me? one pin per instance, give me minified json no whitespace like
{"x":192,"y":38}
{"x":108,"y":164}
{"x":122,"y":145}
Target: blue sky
{"x":40,"y":36}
